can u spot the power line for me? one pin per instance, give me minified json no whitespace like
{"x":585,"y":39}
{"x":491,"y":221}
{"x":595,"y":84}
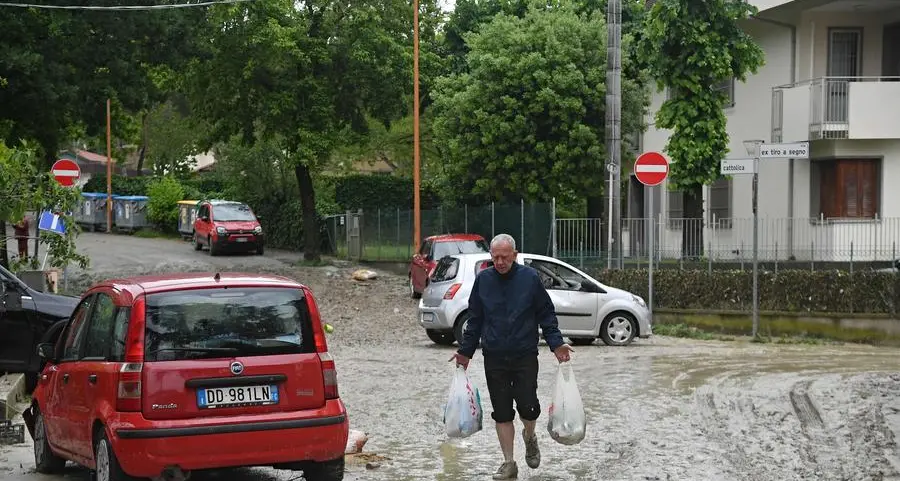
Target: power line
{"x":123,"y":7}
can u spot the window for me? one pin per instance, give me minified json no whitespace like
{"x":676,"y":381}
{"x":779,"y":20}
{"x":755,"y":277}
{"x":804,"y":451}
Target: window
{"x":120,"y":330}
{"x":76,"y":330}
{"x":674,"y":209}
{"x":846,"y":188}
{"x":99,"y":331}
{"x":446,"y":269}
{"x":426,"y":248}
{"x":447,"y":248}
{"x":555,"y":276}
{"x":720,"y":203}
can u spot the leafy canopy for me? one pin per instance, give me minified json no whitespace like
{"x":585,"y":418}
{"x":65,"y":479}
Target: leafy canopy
{"x":690,"y":46}
{"x":527,"y":118}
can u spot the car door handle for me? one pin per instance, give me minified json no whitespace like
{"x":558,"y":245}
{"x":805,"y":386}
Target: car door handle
{"x":66,"y":378}
{"x":92,"y":379}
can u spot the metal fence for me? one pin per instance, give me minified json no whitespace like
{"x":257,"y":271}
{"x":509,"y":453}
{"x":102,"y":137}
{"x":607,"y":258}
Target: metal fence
{"x":806,"y":241}
{"x":387,"y":234}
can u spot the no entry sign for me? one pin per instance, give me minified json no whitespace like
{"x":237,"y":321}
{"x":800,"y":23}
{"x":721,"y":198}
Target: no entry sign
{"x":66,"y":172}
{"x":651,"y":168}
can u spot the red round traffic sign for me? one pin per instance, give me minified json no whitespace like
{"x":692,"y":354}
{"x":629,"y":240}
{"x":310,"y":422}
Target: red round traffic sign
{"x":651,"y":168}
{"x":66,"y":172}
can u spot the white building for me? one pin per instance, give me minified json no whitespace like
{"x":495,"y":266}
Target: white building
{"x":831,"y":77}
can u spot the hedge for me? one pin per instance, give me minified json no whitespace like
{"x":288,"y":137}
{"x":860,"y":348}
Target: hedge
{"x":786,"y":291}
{"x":121,"y":185}
{"x":372,"y":191}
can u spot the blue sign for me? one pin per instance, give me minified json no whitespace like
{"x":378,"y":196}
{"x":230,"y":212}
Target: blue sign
{"x":52,"y":223}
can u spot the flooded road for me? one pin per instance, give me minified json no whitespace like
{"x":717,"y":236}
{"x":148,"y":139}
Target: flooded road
{"x":661,"y":409}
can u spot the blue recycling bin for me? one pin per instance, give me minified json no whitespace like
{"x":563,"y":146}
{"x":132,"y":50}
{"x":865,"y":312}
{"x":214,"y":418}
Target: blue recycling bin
{"x":131,"y":212}
{"x":92,"y":213}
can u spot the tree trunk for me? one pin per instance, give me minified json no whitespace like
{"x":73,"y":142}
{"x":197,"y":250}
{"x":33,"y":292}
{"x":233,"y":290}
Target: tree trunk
{"x":594,"y":237}
{"x":311,"y":251}
{"x":692,"y":230}
{"x":4,"y":255}
{"x":140,"y":164}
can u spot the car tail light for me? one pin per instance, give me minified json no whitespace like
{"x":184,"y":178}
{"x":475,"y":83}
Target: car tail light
{"x":329,"y":373}
{"x":129,"y":390}
{"x":482,"y":266}
{"x":452,"y":291}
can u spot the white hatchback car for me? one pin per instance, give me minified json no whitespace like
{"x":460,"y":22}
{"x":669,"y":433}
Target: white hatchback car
{"x":586,"y":308}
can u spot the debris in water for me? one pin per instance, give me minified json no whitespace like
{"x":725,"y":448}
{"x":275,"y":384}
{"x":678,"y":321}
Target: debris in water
{"x":355,"y":442}
{"x":364,"y":275}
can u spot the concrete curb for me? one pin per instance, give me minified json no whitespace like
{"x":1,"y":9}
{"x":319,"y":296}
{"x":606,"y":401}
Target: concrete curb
{"x":12,"y":394}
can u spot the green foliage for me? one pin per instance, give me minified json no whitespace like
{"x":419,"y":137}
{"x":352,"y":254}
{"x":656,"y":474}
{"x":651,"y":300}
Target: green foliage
{"x":787,"y":291}
{"x":162,"y":207}
{"x":689,"y":47}
{"x":24,"y":187}
{"x":366,"y":191}
{"x":121,"y":185}
{"x":528,"y":117}
{"x":172,"y":138}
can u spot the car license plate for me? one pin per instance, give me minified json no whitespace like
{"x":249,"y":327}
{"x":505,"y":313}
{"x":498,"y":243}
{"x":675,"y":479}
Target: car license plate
{"x":242,"y":239}
{"x":427,"y":317}
{"x":239,"y":396}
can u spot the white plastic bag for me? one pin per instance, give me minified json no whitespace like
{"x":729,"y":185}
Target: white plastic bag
{"x":462,"y":414}
{"x":567,"y":422}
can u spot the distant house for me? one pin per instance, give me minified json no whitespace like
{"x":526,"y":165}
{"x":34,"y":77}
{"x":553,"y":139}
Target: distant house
{"x":92,"y":163}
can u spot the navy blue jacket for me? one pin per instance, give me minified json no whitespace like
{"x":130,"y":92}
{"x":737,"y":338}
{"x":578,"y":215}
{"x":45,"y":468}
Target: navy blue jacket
{"x":505,"y":312}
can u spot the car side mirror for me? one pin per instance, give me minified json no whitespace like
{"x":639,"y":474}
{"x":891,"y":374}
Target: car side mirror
{"x":588,"y":286}
{"x":46,"y":350}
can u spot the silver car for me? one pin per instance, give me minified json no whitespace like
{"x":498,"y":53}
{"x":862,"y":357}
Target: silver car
{"x":586,"y":308}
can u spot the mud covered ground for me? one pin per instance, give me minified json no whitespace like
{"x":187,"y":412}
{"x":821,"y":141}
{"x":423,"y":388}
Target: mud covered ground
{"x":661,"y":409}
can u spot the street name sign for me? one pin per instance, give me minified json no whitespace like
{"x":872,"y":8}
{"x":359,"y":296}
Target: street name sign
{"x":736,"y":166}
{"x":794,"y":150}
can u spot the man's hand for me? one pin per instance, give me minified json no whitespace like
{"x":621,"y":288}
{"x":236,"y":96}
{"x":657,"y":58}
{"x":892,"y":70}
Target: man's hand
{"x":563,"y":353}
{"x":461,"y":360}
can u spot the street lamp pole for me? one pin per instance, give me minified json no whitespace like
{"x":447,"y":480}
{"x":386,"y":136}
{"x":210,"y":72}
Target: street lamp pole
{"x":752,"y":147}
{"x":417,"y":214}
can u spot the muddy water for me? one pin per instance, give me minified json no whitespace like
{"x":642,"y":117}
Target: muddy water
{"x":661,"y":409}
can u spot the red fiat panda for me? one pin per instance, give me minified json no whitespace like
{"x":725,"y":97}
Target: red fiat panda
{"x":159,"y":376}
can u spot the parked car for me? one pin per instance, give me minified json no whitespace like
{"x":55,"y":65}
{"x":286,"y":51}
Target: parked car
{"x":227,"y":225}
{"x":27,"y":318}
{"x":433,"y":249}
{"x":154,"y":377}
{"x":586,"y":308}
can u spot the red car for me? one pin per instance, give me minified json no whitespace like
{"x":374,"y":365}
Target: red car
{"x":154,"y":377}
{"x":433,"y":249}
{"x":223,"y":225}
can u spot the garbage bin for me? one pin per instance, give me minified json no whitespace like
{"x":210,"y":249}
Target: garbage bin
{"x":92,"y":214}
{"x":187,"y":214}
{"x":131,"y":212}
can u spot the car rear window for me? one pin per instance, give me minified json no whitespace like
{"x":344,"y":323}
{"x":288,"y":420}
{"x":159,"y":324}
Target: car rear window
{"x":445,"y":270}
{"x":227,"y":322}
{"x":446,"y":248}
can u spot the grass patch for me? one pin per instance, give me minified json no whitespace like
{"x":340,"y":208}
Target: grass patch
{"x":688,"y":332}
{"x":381,"y":252}
{"x":155,"y":234}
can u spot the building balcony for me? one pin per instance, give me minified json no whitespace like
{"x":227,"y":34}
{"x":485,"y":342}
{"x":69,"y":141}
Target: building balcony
{"x":837,"y":108}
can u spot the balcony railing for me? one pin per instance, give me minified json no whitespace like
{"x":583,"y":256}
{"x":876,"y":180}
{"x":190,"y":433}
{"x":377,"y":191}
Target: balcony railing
{"x":836,"y":108}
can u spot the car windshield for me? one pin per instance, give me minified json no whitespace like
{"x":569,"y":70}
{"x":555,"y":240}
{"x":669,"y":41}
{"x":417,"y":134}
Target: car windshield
{"x":233,"y":212}
{"x":446,"y":248}
{"x":222,"y":322}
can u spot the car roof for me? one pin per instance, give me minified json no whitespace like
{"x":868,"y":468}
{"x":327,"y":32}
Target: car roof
{"x":223,"y":202}
{"x":131,"y":287}
{"x":454,"y":237}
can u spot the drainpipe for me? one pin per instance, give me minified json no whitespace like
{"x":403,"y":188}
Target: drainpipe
{"x":793,"y":29}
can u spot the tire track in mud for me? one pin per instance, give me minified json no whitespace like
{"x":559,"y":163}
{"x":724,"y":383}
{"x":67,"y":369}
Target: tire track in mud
{"x":804,"y":409}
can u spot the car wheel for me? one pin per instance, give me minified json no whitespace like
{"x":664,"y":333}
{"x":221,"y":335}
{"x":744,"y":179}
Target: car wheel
{"x":412,"y":290}
{"x":213,"y":251}
{"x":582,"y":341}
{"x":107,"y":466}
{"x":444,"y":338}
{"x":618,"y":329}
{"x":460,"y":327}
{"x":325,"y":471}
{"x":45,"y":461}
{"x":196,"y":242}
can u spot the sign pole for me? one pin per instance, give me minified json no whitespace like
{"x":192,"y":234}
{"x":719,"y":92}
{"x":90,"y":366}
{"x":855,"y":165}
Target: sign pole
{"x":650,"y":277}
{"x":756,"y":244}
{"x":108,"y":168}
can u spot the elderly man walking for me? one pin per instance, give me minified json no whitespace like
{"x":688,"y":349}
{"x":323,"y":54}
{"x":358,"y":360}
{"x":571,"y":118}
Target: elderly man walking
{"x":507,"y":305}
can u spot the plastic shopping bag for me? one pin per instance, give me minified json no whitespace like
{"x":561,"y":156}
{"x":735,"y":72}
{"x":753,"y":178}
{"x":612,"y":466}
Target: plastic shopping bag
{"x":462,"y":415}
{"x":567,"y":422}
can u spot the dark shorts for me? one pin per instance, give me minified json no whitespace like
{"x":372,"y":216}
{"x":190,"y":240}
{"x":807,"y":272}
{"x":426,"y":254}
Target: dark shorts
{"x":513,"y":378}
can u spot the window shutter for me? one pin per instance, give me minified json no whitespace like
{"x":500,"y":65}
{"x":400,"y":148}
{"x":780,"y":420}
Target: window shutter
{"x":868,"y":189}
{"x":720,"y":202}
{"x":849,"y":173}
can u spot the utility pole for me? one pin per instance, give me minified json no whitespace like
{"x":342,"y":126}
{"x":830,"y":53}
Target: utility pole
{"x":108,"y":167}
{"x":614,"y":125}
{"x":417,"y":214}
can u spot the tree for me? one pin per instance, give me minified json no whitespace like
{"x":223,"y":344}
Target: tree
{"x":527,"y":118}
{"x":689,"y":47}
{"x":24,"y":187}
{"x":306,"y":74}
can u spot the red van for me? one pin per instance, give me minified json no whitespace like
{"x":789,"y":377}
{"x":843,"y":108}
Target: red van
{"x":158,"y":376}
{"x":227,"y":225}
